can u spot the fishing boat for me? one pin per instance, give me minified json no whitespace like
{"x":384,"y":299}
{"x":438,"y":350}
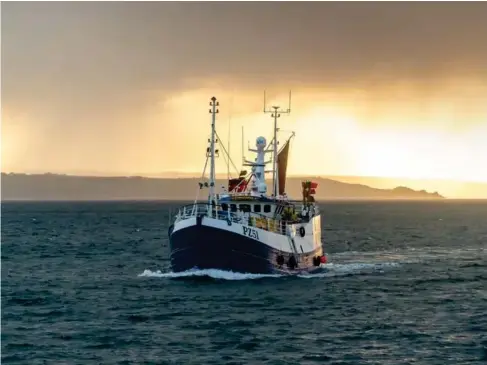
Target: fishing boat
{"x":242,"y":228}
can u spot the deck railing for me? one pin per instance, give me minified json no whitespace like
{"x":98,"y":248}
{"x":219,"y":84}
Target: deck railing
{"x":248,"y":218}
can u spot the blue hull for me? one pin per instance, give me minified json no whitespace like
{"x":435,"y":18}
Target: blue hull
{"x":203,"y":247}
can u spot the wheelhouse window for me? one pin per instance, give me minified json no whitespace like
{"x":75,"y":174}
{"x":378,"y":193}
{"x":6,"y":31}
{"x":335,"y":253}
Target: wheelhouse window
{"x":233,"y":207}
{"x":267,"y":208}
{"x":245,"y":208}
{"x":257,"y":208}
{"x":224,"y":207}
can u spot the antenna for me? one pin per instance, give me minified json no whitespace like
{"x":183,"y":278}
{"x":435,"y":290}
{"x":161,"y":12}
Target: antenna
{"x":243,"y":155}
{"x":276,"y":113}
{"x":229,"y":120}
{"x":287,"y":111}
{"x":289,"y":107}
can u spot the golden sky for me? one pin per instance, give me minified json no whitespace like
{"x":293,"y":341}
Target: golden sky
{"x":379,"y":89}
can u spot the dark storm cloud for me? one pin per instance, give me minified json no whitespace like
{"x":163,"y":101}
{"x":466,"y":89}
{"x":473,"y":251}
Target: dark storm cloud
{"x":86,"y":50}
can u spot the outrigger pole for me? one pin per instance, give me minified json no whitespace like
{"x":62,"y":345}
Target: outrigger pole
{"x":276,"y":113}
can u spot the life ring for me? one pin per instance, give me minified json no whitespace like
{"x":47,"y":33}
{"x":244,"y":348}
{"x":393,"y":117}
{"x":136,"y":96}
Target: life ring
{"x":302,"y":232}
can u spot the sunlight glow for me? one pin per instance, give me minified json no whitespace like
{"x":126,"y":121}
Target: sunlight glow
{"x":336,"y":134}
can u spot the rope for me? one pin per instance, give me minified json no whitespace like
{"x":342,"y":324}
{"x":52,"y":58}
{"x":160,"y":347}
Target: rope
{"x":225,"y":150}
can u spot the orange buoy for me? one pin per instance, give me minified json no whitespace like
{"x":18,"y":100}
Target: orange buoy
{"x":323,"y":259}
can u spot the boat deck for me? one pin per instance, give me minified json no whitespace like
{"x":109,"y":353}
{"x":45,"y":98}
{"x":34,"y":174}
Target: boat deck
{"x":252,"y":219}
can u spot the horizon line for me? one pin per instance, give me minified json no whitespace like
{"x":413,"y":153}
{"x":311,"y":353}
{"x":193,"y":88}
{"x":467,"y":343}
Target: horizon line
{"x":223,"y":176}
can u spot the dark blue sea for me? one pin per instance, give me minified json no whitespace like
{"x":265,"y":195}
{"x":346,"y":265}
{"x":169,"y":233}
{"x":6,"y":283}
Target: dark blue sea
{"x":89,"y":283}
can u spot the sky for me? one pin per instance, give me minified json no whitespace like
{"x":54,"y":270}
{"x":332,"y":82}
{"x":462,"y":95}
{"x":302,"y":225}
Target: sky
{"x":389,"y":89}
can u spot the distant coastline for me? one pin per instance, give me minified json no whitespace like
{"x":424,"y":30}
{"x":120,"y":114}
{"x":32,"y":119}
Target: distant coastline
{"x":57,"y":187}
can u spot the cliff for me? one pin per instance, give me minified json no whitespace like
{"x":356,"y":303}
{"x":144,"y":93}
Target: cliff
{"x":65,"y":187}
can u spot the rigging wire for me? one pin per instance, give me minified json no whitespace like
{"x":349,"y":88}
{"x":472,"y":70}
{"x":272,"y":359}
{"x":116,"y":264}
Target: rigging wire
{"x":225,"y":150}
{"x":202,"y":176}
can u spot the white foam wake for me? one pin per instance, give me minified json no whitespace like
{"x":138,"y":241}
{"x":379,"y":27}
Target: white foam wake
{"x":213,"y":273}
{"x":329,"y":270}
{"x":332,"y":270}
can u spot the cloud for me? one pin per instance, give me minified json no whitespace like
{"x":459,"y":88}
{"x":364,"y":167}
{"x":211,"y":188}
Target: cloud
{"x":108,"y":85}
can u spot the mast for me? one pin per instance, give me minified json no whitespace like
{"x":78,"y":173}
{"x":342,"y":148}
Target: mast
{"x":213,"y":103}
{"x":276,"y":113}
{"x":228,"y":161}
{"x":275,"y":180}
